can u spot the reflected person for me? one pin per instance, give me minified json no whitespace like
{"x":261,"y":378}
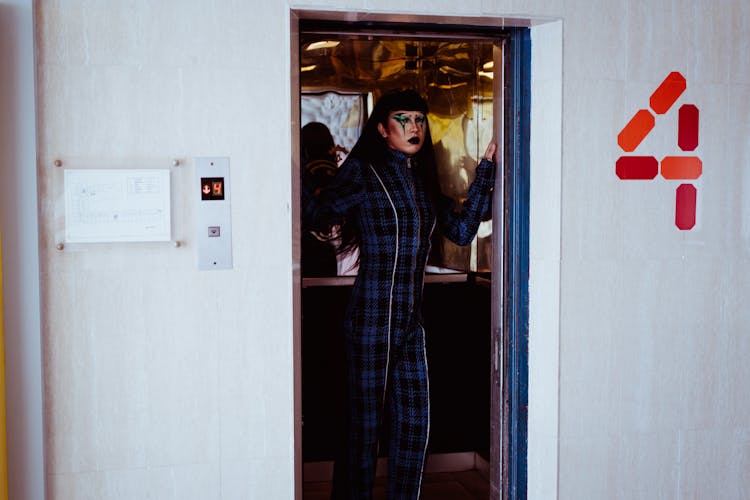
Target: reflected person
{"x":318,"y":163}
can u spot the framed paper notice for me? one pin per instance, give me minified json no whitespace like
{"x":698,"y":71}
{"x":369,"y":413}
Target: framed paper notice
{"x":117,"y":205}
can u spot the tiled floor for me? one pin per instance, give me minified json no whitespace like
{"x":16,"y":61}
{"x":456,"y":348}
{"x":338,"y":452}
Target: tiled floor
{"x":465,"y":485}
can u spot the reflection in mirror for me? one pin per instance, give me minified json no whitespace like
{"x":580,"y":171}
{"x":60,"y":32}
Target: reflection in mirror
{"x":331,"y":124}
{"x":343,"y":75}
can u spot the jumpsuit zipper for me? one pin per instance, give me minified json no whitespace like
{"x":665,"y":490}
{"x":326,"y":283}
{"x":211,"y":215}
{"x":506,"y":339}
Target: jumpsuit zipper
{"x":412,"y":280}
{"x":410,"y":180}
{"x":390,"y":299}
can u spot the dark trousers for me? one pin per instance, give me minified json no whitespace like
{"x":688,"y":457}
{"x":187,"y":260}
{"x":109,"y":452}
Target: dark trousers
{"x":385,"y":373}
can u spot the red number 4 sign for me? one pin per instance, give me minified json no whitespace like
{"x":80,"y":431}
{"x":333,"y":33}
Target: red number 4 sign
{"x":672,"y":167}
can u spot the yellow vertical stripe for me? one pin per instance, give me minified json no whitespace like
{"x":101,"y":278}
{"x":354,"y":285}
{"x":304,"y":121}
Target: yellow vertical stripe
{"x":3,"y":435}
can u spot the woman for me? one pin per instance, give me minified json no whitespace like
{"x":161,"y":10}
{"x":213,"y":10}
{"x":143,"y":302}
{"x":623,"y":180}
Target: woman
{"x":387,"y":199}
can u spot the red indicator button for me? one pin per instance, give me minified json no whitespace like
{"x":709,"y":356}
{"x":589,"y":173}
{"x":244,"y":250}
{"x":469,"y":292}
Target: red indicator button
{"x":667,"y":93}
{"x":684,"y":215}
{"x":637,"y":167}
{"x":636,"y":130}
{"x":687,"y":128}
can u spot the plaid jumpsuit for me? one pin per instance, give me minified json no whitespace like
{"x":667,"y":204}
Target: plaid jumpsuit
{"x":386,"y":357}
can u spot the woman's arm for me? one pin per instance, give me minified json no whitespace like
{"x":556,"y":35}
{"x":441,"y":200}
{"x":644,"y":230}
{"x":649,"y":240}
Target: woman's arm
{"x":461,"y":227}
{"x":334,"y":201}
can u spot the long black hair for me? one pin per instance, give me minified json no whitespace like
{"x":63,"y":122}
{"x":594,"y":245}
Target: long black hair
{"x":371,"y":147}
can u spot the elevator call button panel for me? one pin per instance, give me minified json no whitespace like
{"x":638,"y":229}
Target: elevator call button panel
{"x":213,"y":220}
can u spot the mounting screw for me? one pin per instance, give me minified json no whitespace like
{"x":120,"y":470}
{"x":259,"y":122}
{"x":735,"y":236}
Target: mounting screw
{"x":175,"y":162}
{"x":60,"y":246}
{"x":58,"y":163}
{"x":177,"y":244}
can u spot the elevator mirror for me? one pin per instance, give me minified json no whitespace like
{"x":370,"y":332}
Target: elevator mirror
{"x":341,"y":77}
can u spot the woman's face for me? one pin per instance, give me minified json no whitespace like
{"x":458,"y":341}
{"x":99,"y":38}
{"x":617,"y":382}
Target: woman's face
{"x":404,"y":131}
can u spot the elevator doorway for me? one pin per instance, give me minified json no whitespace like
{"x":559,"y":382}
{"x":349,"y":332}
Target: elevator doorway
{"x":462,"y":71}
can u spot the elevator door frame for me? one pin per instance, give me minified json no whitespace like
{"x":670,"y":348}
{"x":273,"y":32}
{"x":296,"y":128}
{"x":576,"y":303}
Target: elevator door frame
{"x":511,"y":294}
{"x":509,"y":352}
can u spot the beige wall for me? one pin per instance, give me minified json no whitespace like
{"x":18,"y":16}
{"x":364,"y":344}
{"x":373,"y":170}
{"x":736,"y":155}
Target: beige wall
{"x":654,"y":342}
{"x":165,"y":382}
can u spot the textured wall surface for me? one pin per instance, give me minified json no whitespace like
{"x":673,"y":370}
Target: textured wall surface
{"x":653,"y":329}
{"x":165,"y":382}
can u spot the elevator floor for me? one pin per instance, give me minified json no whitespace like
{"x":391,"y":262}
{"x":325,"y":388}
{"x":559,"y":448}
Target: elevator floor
{"x":463,"y":485}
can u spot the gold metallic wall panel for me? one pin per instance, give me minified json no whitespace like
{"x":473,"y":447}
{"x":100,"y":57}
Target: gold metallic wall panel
{"x":456,"y":79}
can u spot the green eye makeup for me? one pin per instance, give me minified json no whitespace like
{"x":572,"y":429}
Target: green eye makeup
{"x":403,"y":119}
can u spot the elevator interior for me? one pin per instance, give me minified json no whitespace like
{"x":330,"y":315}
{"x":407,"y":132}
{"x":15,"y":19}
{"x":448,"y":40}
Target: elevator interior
{"x":342,"y":74}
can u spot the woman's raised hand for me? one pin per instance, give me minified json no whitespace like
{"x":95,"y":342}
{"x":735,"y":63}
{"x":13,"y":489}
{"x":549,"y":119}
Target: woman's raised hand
{"x":490,"y":153}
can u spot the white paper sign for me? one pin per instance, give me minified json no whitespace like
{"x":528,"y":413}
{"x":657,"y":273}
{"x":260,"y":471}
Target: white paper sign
{"x":117,"y":205}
